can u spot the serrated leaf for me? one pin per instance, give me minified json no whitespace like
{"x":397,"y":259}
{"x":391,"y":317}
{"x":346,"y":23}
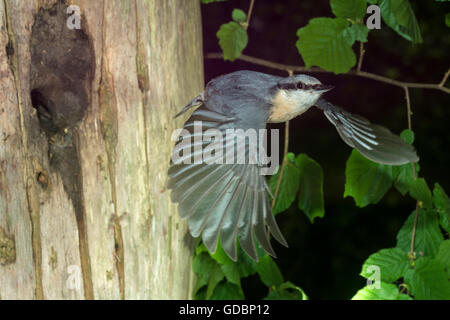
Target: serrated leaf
{"x":203,"y":266}
{"x":220,"y":256}
{"x":419,"y":190}
{"x":349,"y":9}
{"x":238,"y":15}
{"x":399,"y":15}
{"x":269,"y":272}
{"x":393,"y":264}
{"x":356,"y":32}
{"x":287,"y":291}
{"x":288,"y":187}
{"x":311,"y":187}
{"x":227,"y":291}
{"x":232,"y":39}
{"x":442,"y":203}
{"x":428,"y":236}
{"x":443,"y":256}
{"x":366,"y":181}
{"x":322,"y":43}
{"x":387,"y":291}
{"x":428,"y":280}
{"x":404,"y":177}
{"x":408,"y":136}
{"x":231,"y":273}
{"x":245,"y":265}
{"x":403,"y":174}
{"x":215,"y":277}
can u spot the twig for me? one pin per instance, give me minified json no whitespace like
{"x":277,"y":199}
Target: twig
{"x":364,"y":74}
{"x":408,"y":107}
{"x":361,"y":55}
{"x":249,"y":14}
{"x":412,"y":254}
{"x":444,"y":79}
{"x":283,"y":164}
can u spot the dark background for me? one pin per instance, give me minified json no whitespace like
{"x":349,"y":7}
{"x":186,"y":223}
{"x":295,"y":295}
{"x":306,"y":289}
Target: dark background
{"x":325,"y":258}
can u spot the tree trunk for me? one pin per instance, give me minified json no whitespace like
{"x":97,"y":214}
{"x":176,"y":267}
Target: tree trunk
{"x":86,"y":118}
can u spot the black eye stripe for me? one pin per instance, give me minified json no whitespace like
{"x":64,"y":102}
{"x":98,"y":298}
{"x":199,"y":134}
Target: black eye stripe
{"x":292,"y":86}
{"x":299,"y":85}
{"x":287,"y":86}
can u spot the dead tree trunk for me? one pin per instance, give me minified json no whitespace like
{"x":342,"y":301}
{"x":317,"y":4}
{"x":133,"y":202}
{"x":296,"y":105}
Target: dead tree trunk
{"x":85,"y":127}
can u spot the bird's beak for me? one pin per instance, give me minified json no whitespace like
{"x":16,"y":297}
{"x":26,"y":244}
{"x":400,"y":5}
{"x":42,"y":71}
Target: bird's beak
{"x":323,"y":87}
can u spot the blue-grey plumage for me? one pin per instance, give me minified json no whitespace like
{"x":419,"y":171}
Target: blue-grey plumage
{"x":229,"y":201}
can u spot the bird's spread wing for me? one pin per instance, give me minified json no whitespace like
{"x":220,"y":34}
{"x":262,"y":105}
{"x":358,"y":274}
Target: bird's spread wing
{"x":372,"y":141}
{"x":228,"y":200}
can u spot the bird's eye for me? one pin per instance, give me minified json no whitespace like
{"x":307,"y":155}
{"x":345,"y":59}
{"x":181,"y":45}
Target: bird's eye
{"x":300,"y":85}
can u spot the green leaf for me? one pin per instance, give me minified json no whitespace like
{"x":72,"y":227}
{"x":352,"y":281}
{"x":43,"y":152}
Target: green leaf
{"x":442,"y":203}
{"x":232,"y":39}
{"x":268,"y":271}
{"x":428,"y":280}
{"x":287,"y":291}
{"x":231,"y":273}
{"x":289,"y":185}
{"x":393,"y":264}
{"x":245,"y":265}
{"x":203,"y":266}
{"x":387,"y":291}
{"x":408,"y":136}
{"x":323,"y":43}
{"x":419,"y":190}
{"x":227,"y":291}
{"x":349,"y":9}
{"x":238,"y":15}
{"x":311,"y":187}
{"x":403,"y":174}
{"x":356,"y":32}
{"x":428,"y":236}
{"x":404,"y":177}
{"x":399,"y":15}
{"x":366,"y":181}
{"x":220,"y":256}
{"x":443,"y":256}
{"x":447,"y":19}
{"x":215,"y":277}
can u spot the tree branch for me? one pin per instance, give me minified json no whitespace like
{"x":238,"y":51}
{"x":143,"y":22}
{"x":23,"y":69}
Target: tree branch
{"x":364,"y":74}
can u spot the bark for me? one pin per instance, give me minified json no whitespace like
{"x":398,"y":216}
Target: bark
{"x":86,"y":119}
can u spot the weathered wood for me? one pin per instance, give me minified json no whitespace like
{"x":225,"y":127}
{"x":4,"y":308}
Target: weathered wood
{"x":116,"y":234}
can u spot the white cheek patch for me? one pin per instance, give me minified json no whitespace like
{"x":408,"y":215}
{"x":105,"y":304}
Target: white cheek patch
{"x":290,"y":104}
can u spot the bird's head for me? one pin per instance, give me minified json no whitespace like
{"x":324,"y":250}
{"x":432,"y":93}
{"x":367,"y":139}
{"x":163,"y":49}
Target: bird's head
{"x":294,"y":95}
{"x":303,"y":88}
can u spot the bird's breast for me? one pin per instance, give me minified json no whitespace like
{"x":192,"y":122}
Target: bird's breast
{"x":286,"y":107}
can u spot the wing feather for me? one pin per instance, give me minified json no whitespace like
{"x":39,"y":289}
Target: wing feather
{"x":372,"y":141}
{"x":222,"y":201}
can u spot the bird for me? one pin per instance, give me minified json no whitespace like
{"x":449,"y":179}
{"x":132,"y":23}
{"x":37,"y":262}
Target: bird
{"x":229,"y":202}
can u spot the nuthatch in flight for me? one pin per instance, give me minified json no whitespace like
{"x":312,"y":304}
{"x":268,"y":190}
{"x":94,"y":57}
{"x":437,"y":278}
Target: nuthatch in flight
{"x":230,"y":200}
